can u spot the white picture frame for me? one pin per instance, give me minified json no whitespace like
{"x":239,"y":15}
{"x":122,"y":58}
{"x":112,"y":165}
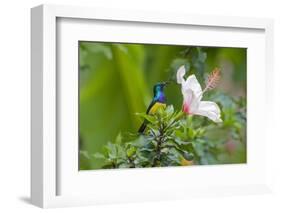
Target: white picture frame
{"x":55,"y":179}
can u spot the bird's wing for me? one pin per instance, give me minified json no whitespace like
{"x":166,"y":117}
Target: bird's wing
{"x":150,"y":106}
{"x":143,"y":126}
{"x":155,"y":106}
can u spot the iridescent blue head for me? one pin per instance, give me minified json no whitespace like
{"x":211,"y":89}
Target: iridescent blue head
{"x":158,"y":91}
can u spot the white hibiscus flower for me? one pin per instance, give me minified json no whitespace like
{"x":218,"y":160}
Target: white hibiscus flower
{"x":192,"y":95}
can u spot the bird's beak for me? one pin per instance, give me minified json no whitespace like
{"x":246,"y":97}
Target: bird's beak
{"x":166,"y":83}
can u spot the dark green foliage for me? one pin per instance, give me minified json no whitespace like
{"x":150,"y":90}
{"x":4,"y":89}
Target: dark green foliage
{"x":174,"y":139}
{"x":158,"y":146}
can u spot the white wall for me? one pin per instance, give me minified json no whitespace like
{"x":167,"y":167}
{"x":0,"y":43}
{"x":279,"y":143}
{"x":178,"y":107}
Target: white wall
{"x":14,"y":108}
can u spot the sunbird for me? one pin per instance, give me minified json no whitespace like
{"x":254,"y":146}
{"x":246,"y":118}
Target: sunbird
{"x":158,"y":101}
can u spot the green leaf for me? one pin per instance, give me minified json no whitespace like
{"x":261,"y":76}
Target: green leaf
{"x":188,"y":156}
{"x":202,"y":56}
{"x":99,"y":48}
{"x":99,"y":156}
{"x":118,"y":139}
{"x":131,"y":151}
{"x":147,"y":117}
{"x":165,"y":150}
{"x":169,"y":110}
{"x":180,"y":142}
{"x":187,"y":66}
{"x":84,"y":154}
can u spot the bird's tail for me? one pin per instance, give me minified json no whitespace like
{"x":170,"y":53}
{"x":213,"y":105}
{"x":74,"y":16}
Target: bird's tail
{"x":142,"y":128}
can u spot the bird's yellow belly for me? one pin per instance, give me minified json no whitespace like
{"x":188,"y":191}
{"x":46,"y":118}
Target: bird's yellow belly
{"x":156,"y":106}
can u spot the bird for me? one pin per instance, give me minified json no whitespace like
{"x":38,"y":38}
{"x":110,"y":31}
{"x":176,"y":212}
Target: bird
{"x":158,"y":101}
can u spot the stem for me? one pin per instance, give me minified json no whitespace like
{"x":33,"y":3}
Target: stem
{"x":159,"y":141}
{"x":113,"y":165}
{"x":131,"y":161}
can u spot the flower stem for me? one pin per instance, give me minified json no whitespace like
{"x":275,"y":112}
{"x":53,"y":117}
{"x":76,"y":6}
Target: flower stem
{"x":159,"y":140}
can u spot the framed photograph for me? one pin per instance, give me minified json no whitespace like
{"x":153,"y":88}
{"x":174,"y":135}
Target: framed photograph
{"x":130,"y":106}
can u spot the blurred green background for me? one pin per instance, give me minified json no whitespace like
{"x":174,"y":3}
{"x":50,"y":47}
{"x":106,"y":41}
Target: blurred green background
{"x":116,"y":82}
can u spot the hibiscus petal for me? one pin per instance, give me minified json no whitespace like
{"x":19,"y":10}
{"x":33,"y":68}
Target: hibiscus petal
{"x":187,"y":101}
{"x":180,"y":74}
{"x":190,"y":102}
{"x":210,"y":110}
{"x":193,"y":84}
